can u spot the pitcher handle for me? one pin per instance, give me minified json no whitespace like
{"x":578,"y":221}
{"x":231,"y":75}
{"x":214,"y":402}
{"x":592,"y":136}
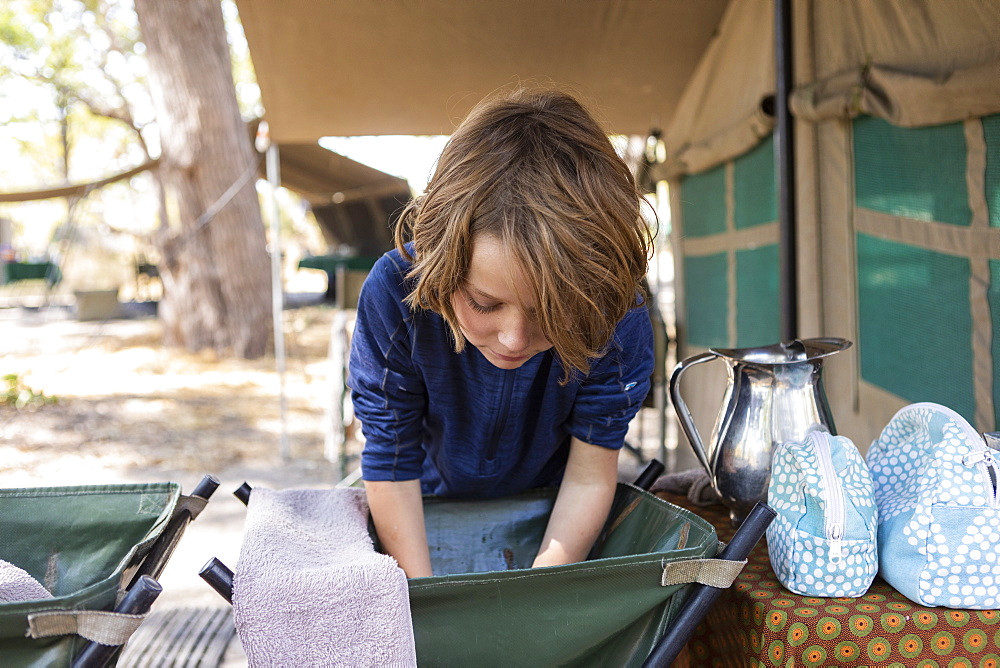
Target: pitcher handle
{"x":683,"y":414}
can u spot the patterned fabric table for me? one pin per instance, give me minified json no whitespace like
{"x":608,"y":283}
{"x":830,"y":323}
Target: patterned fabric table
{"x":757,"y":622}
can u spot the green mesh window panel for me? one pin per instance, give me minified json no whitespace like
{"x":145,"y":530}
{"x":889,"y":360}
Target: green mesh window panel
{"x":991,"y":128}
{"x":915,"y":324}
{"x":912,"y":172}
{"x":757,"y":317}
{"x":705,"y":298}
{"x":703,"y":206}
{"x":754,"y":190}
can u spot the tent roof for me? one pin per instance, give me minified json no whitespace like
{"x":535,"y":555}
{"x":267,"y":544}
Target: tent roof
{"x":343,"y":67}
{"x":323,"y":177}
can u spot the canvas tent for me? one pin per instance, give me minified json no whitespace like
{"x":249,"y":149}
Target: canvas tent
{"x":343,"y":67}
{"x":896,"y":152}
{"x":897,"y":182}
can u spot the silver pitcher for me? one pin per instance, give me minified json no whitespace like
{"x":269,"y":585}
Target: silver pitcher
{"x":775,"y":394}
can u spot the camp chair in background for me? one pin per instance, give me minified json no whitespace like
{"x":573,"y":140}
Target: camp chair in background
{"x":98,"y":550}
{"x":650,"y":579}
{"x":657,"y":398}
{"x":339,"y":418}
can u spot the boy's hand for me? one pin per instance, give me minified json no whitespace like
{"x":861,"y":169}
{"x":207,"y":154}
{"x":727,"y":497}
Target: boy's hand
{"x":582,"y":505}
{"x":398,"y":511}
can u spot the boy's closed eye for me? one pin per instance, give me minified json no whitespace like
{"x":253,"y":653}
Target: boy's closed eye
{"x":485,"y":303}
{"x":480,"y":308}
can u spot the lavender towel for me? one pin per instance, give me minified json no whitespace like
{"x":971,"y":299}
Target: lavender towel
{"x":309,"y":588}
{"x":17,"y":585}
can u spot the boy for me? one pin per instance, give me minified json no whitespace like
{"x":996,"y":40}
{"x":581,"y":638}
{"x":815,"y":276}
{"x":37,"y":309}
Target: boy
{"x":529,"y":245}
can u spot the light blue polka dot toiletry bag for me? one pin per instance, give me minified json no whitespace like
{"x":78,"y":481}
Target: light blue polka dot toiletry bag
{"x":939,"y":510}
{"x":823,"y":540}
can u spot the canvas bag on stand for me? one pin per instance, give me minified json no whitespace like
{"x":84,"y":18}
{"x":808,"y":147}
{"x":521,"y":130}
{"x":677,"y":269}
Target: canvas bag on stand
{"x":936,"y":485}
{"x":823,"y":540}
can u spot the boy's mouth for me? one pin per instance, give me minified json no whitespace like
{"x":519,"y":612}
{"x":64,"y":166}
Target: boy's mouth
{"x":508,"y":358}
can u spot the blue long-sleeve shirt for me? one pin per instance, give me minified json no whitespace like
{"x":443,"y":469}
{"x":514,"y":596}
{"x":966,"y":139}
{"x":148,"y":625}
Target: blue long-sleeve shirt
{"x":465,"y":427}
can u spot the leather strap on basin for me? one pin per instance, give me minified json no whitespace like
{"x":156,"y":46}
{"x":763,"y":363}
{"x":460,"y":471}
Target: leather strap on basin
{"x":106,"y":628}
{"x":192,"y":504}
{"x":713,"y":572}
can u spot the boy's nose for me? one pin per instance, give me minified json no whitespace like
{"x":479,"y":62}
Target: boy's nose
{"x":515,"y":335}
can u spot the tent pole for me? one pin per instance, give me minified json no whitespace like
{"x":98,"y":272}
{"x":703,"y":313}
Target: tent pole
{"x":784,"y":158}
{"x":277,"y":298}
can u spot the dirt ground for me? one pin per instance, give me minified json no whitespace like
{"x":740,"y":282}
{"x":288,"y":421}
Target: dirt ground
{"x":126,"y":409}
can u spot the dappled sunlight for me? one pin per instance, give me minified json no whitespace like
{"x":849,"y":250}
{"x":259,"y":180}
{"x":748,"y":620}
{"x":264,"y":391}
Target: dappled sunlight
{"x":126,"y":403}
{"x":26,"y":468}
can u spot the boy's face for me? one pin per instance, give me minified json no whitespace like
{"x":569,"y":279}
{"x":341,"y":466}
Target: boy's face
{"x":494,"y":307}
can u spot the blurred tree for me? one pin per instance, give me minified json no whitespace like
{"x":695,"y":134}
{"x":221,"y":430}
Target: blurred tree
{"x":214,"y":263}
{"x":70,"y":73}
{"x":73,"y":77}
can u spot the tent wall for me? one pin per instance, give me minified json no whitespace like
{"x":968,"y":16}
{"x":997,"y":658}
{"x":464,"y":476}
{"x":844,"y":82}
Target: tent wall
{"x":897,"y":198}
{"x":922,"y":219}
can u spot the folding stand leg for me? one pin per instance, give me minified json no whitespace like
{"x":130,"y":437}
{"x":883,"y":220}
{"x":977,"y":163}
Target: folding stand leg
{"x":137,"y":601}
{"x":703,"y":596}
{"x":142,"y":588}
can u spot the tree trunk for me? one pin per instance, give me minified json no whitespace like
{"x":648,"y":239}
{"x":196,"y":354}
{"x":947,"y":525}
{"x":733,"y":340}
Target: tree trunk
{"x":217,"y":290}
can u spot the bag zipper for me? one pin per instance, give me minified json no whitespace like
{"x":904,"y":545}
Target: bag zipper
{"x":989,"y":467}
{"x":836,"y":511}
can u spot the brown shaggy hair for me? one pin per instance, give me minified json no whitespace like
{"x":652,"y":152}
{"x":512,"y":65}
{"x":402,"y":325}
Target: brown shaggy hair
{"x":536,"y":171}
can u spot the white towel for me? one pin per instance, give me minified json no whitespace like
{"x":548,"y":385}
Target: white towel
{"x":309,"y":588}
{"x":17,"y":585}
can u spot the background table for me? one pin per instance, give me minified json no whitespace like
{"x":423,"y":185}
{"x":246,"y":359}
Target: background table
{"x":757,"y":622}
{"x":27,"y":271}
{"x":331,"y":263}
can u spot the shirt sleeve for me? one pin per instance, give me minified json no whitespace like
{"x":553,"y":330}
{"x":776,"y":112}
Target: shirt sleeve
{"x":613,"y":391}
{"x":388,"y":394}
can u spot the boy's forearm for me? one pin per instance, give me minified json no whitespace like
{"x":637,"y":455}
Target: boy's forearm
{"x":582,"y":505}
{"x":398,"y":512}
